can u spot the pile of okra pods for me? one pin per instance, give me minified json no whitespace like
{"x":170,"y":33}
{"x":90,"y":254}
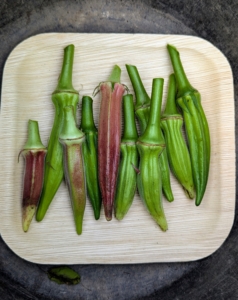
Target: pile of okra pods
{"x":107,"y":167}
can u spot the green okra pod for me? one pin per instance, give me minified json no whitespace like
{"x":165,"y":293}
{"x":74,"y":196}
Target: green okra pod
{"x":196,"y":125}
{"x":90,"y":155}
{"x":64,"y":95}
{"x":126,"y":181}
{"x":142,"y":111}
{"x":177,"y":150}
{"x":150,"y":146}
{"x":72,"y":139}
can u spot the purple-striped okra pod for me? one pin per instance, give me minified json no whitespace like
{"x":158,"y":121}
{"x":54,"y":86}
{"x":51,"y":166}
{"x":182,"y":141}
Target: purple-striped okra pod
{"x":142,"y":111}
{"x":64,"y":95}
{"x":109,"y":138}
{"x":126,"y":181}
{"x":150,"y":146}
{"x":179,"y":158}
{"x":34,"y":153}
{"x":90,"y":151}
{"x":72,"y":139}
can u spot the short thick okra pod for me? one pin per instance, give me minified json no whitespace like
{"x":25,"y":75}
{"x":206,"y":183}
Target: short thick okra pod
{"x":196,"y":125}
{"x":126,"y":182}
{"x":90,"y":155}
{"x":109,"y":138}
{"x":177,"y":150}
{"x":72,"y":139}
{"x":150,"y":146}
{"x":34,"y":154}
{"x":142,"y":111}
{"x":64,"y":95}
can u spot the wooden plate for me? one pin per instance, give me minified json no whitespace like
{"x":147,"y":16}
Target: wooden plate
{"x":30,"y":76}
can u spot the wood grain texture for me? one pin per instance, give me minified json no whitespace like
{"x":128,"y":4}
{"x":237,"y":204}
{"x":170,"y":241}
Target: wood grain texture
{"x":30,"y":76}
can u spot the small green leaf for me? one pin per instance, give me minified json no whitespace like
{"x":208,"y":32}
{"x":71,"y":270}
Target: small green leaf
{"x":63,"y":275}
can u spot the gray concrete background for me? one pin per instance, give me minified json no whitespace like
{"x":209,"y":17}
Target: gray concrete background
{"x":214,"y":277}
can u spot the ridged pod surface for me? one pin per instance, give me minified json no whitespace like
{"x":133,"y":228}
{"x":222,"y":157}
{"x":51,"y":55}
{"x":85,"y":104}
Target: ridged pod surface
{"x":179,"y":158}
{"x":90,"y":154}
{"x":109,"y":138}
{"x":142,"y":112}
{"x":150,"y":146}
{"x":64,"y":95}
{"x":126,"y":181}
{"x":196,"y":126}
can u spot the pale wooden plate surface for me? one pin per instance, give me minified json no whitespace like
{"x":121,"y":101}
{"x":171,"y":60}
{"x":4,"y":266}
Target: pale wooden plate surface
{"x":30,"y":76}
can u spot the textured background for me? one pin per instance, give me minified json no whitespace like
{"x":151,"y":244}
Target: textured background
{"x":214,"y":277}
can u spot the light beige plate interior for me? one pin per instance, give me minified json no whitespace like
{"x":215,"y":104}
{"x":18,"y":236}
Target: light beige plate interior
{"x":30,"y":76}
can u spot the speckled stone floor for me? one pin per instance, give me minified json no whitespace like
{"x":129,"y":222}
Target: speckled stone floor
{"x":214,"y":277}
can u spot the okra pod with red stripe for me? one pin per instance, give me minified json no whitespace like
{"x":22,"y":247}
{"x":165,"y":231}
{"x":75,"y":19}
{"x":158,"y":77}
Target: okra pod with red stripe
{"x":196,"y":125}
{"x":150,"y":146}
{"x":126,"y":182}
{"x":90,"y":155}
{"x":64,"y":95}
{"x":142,"y":111}
{"x":34,"y":153}
{"x":109,"y":138}
{"x":72,"y":139}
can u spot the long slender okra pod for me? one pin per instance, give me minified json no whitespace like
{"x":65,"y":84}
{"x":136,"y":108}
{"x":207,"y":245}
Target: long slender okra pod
{"x":177,"y":150}
{"x":64,"y":95}
{"x":72,"y":139}
{"x":142,"y":111}
{"x":34,"y":154}
{"x":150,"y":146}
{"x":126,"y":182}
{"x":90,"y":155}
{"x":196,"y":125}
{"x":109,"y":138}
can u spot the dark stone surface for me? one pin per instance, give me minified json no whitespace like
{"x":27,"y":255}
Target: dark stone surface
{"x":214,"y":277}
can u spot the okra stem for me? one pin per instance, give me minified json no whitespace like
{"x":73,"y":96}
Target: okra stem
{"x":130,"y":131}
{"x":171,"y":108}
{"x":142,"y":98}
{"x":184,"y":85}
{"x":152,"y":132}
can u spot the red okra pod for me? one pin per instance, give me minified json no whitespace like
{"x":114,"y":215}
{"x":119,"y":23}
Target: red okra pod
{"x":34,"y":154}
{"x":109,"y":138}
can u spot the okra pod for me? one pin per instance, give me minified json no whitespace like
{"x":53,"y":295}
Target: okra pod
{"x":126,"y":182}
{"x":109,"y":138}
{"x":177,"y":150}
{"x":196,"y":125}
{"x":34,"y":154}
{"x":150,"y":146}
{"x":142,"y":111}
{"x":64,"y":95}
{"x":90,"y":155}
{"x":72,"y":139}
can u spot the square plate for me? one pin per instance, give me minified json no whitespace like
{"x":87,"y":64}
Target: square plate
{"x":30,"y":76}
